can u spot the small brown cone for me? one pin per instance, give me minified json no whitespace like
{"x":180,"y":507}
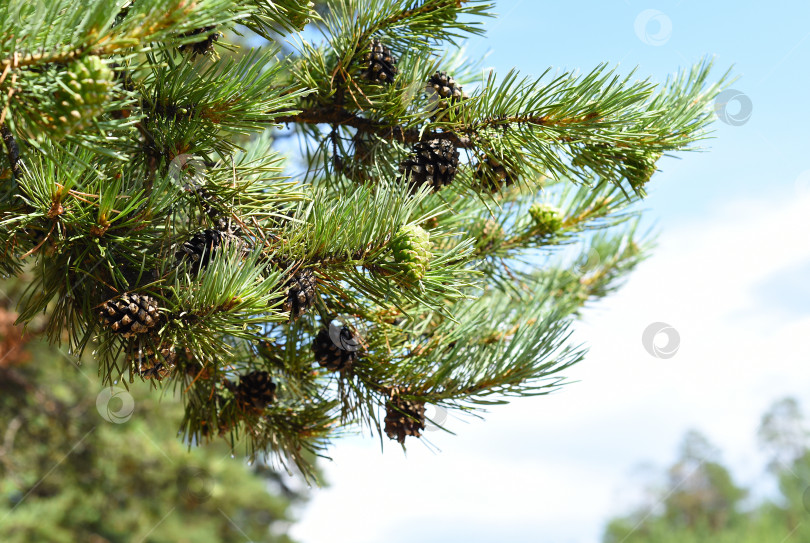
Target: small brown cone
{"x":130,"y":314}
{"x":404,"y":418}
{"x":255,"y":391}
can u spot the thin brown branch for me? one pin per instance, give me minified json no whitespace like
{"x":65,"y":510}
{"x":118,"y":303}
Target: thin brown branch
{"x":12,"y":149}
{"x":341,"y":117}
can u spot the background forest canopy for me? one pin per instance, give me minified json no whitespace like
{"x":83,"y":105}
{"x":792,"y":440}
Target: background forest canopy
{"x":76,"y":469}
{"x":698,"y":501}
{"x":417,"y":261}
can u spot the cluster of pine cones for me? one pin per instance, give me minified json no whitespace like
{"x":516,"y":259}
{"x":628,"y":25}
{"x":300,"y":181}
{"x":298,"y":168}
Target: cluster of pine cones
{"x":136,"y":317}
{"x":434,"y":161}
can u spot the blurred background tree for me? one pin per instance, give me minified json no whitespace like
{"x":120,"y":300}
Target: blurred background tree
{"x":69,"y":475}
{"x":701,"y":503}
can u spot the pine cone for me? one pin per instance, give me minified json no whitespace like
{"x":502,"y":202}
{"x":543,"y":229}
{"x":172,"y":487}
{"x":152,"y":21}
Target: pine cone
{"x":207,"y":202}
{"x":381,"y":64}
{"x":639,"y":169}
{"x":493,"y":176}
{"x":130,"y":314}
{"x":301,"y":293}
{"x":255,"y":391}
{"x":546,"y":217}
{"x":203,"y":47}
{"x":433,"y":162}
{"x":444,"y":91}
{"x":411,"y":247}
{"x":446,"y":87}
{"x":199,"y":250}
{"x":331,"y":356}
{"x":152,"y":365}
{"x":404,"y":418}
{"x":88,"y":83}
{"x":488,"y":233}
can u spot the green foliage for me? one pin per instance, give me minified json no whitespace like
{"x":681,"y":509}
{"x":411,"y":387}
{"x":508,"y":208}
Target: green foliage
{"x":700,"y":503}
{"x":457,"y":296}
{"x":67,"y":474}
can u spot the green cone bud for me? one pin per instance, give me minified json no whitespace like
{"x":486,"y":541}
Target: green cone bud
{"x":488,"y":233}
{"x":546,"y":217}
{"x":639,"y":170}
{"x":411,"y":246}
{"x":84,"y":92}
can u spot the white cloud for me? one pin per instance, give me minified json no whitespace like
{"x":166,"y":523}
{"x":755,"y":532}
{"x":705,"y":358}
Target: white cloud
{"x":551,"y":468}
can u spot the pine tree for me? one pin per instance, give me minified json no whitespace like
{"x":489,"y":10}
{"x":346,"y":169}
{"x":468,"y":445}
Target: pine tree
{"x":67,"y":474}
{"x":143,"y":199}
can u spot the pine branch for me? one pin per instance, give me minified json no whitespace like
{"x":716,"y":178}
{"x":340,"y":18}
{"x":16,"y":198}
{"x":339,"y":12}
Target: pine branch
{"x":341,"y":117}
{"x":419,"y":256}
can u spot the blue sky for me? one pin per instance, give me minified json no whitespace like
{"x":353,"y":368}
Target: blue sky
{"x":767,"y":45}
{"x":730,"y":274}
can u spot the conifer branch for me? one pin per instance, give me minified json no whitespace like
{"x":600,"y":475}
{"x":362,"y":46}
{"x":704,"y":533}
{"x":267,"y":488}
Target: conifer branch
{"x":342,"y":117}
{"x":408,"y":254}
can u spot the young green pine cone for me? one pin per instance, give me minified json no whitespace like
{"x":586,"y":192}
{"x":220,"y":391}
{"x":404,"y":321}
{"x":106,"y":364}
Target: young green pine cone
{"x":411,"y":246}
{"x":488,"y":233}
{"x":639,"y":169}
{"x":83,"y":93}
{"x":546,"y":217}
